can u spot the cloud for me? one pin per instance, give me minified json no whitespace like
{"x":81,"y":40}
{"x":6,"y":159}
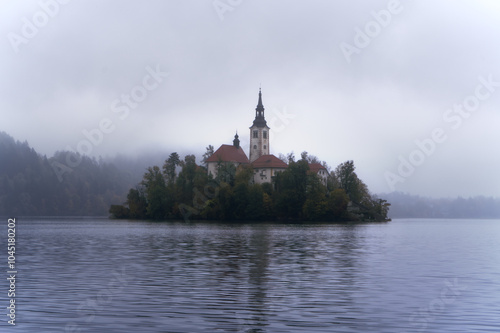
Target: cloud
{"x":393,"y":92}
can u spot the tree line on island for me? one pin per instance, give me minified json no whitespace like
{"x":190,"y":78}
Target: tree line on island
{"x":294,"y":193}
{"x":32,"y":185}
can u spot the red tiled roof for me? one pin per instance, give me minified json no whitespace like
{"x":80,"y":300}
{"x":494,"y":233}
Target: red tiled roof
{"x":229,"y":153}
{"x":316,"y":167}
{"x":269,"y":161}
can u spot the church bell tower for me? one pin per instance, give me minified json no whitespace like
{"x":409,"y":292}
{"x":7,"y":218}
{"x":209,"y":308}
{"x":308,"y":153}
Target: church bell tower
{"x":259,"y":133}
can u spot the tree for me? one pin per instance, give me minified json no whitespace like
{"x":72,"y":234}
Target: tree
{"x":225,"y":200}
{"x":240,"y":199}
{"x":65,"y":184}
{"x":137,"y":203}
{"x":309,"y":158}
{"x":255,"y":207}
{"x":119,"y":211}
{"x":190,"y":184}
{"x":332,"y":182}
{"x":209,"y":152}
{"x":156,"y":191}
{"x":283,"y":157}
{"x":364,"y":205}
{"x":186,"y":176}
{"x":268,"y":206}
{"x":226,"y":172}
{"x":315,"y":205}
{"x":337,"y":204}
{"x":381,"y":207}
{"x":244,"y":174}
{"x":348,"y":181}
{"x":169,"y":167}
{"x":290,"y":193}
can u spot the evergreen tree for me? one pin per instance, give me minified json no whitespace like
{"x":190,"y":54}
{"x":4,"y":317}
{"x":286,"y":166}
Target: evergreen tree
{"x":137,"y":203}
{"x":156,"y":193}
{"x":209,"y":152}
{"x":291,"y":189}
{"x":169,"y":167}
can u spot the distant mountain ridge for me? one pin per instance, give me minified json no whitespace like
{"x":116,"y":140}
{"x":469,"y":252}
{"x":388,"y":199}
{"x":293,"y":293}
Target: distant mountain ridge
{"x":29,"y":184}
{"x":412,"y":206}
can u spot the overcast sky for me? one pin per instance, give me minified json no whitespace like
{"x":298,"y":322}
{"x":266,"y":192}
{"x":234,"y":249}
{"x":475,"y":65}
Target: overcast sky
{"x":409,"y":90}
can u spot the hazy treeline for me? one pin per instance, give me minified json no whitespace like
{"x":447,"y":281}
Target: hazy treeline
{"x":406,"y":205}
{"x":295,"y":193}
{"x":29,"y":184}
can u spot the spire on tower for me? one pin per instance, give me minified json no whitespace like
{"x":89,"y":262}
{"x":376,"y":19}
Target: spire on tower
{"x":260,"y":107}
{"x":236,"y":141}
{"x":260,"y":121}
{"x":259,"y":133}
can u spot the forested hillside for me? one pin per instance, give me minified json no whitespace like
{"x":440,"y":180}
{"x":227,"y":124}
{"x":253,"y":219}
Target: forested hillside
{"x":31,"y":184}
{"x":36,"y":185}
{"x":410,"y":206}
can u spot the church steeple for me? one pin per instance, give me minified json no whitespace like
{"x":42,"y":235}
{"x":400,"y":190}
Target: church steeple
{"x":259,"y":121}
{"x":259,"y":133}
{"x":260,"y":107}
{"x":236,"y":141}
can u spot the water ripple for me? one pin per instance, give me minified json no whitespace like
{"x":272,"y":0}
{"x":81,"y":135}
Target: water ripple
{"x":92,"y":275}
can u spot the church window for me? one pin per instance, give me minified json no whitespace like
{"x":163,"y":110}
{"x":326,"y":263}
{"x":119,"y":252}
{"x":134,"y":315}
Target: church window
{"x":254,"y":146}
{"x":264,"y":134}
{"x":264,"y":146}
{"x":255,"y":134}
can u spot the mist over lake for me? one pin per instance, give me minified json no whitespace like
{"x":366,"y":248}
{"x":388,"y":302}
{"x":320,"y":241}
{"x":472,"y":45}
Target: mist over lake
{"x":234,"y":166}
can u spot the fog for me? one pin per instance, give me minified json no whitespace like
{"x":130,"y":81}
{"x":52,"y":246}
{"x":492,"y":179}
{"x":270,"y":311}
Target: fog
{"x":409,"y":90}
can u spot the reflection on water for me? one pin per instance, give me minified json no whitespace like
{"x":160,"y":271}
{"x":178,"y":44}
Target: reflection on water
{"x":92,"y":275}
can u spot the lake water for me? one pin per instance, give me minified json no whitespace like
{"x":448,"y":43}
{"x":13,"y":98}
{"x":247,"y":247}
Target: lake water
{"x":99,"y":275}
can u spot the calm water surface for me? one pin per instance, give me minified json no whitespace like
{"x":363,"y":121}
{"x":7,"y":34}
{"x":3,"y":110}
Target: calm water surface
{"x":97,"y":275}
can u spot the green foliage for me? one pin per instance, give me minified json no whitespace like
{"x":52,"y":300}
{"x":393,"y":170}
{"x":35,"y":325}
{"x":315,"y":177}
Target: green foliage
{"x":244,"y":174}
{"x":290,"y":193}
{"x":240,"y":199}
{"x":185,"y":180}
{"x":255,"y":209}
{"x":209,"y":152}
{"x":226,"y":172}
{"x":364,"y":206}
{"x":348,"y":180}
{"x":225,"y":199}
{"x":296,"y":193}
{"x":137,"y":204}
{"x":156,"y":193}
{"x":169,"y":167}
{"x":315,"y":206}
{"x":29,"y":182}
{"x":119,"y":212}
{"x":337,"y":204}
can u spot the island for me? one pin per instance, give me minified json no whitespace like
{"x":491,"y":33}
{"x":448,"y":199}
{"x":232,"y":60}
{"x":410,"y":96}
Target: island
{"x":230,"y":186}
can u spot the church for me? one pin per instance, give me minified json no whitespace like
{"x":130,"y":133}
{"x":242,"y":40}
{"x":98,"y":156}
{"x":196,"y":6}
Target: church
{"x":264,"y":164}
